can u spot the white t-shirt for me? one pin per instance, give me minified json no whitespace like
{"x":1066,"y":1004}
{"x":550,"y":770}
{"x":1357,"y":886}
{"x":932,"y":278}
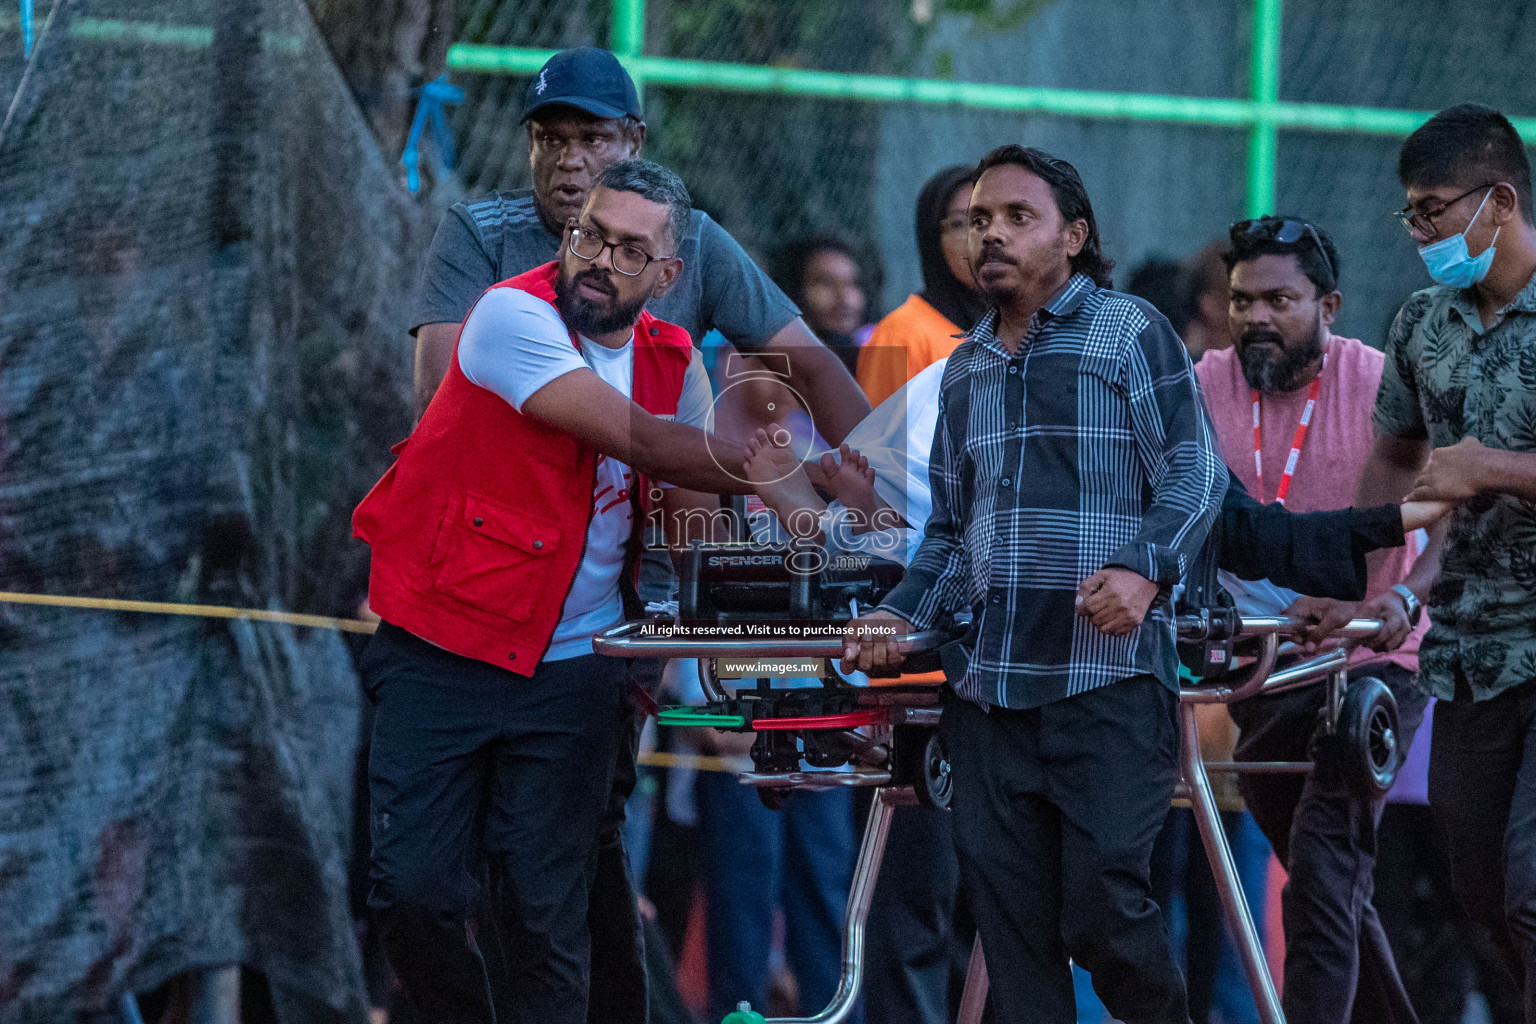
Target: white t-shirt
{"x":513,"y":344}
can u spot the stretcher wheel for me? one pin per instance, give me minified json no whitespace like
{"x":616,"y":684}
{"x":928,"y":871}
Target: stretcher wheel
{"x":922,"y":761}
{"x":937,"y":785}
{"x":773,"y":797}
{"x":1368,"y":733}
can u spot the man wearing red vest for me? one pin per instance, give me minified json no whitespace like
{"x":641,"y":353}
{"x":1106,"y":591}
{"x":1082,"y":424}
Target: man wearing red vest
{"x":502,"y":541}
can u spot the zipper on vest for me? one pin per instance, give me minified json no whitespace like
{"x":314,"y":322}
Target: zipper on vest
{"x":586,"y":537}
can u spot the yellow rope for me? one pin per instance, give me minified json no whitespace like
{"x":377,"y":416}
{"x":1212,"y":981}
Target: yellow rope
{"x":656,"y":759}
{"x":662,"y":759}
{"x":206,"y":611}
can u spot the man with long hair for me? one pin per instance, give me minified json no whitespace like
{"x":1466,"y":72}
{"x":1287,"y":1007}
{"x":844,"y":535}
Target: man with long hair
{"x":1075,"y":479}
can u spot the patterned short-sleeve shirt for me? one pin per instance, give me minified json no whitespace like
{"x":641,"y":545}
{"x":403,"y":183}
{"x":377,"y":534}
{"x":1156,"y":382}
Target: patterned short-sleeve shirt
{"x":1447,"y":377}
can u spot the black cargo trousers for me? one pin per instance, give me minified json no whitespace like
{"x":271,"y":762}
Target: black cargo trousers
{"x":472,"y":764}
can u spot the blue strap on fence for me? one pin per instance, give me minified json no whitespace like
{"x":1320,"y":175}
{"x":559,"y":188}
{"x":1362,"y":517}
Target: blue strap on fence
{"x":26,"y":28}
{"x":429,"y":107}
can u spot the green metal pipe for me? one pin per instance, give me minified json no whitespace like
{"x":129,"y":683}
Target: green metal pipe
{"x":185,"y":37}
{"x":749,"y":78}
{"x":1264,"y":136}
{"x":626,"y":37}
{"x":627,"y":34}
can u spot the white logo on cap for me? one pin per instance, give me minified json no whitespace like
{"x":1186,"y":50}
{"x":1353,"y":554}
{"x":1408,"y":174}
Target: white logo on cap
{"x":541,"y":84}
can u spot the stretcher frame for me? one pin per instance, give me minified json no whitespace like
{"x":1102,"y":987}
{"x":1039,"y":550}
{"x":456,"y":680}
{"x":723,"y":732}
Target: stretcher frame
{"x":1331,"y":667}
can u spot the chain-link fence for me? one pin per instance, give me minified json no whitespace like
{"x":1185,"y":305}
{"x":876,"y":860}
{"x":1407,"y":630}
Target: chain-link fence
{"x":770,"y":167}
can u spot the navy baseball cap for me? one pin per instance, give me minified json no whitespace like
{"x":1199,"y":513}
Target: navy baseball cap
{"x":585,"y":78}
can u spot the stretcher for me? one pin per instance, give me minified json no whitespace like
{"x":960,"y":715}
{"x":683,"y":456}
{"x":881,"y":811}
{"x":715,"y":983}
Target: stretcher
{"x":886,"y":736}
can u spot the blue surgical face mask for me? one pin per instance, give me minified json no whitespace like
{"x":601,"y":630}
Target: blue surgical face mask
{"x":1448,"y":261}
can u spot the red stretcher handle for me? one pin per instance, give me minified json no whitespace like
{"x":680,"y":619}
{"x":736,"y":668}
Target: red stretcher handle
{"x":849,"y":720}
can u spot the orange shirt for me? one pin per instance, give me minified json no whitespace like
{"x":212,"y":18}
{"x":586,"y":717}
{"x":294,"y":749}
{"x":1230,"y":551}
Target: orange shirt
{"x":909,"y":340}
{"x":913,"y":337}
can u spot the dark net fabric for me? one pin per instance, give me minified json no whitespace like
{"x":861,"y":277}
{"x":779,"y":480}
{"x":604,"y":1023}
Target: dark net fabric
{"x":202,"y":284}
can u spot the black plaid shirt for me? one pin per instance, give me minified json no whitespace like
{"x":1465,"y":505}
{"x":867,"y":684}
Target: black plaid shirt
{"x":1091,"y":447}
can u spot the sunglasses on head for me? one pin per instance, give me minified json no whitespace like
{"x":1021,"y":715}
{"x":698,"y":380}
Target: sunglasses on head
{"x":1283,"y":230}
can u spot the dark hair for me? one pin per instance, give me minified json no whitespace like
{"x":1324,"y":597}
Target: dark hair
{"x":1071,"y":200}
{"x":1464,"y":146}
{"x":1309,"y":258}
{"x":654,"y":182}
{"x":961,"y":304}
{"x":1170,"y":286}
{"x":789,"y":263}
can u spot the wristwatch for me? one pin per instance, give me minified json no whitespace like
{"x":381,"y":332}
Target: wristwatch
{"x":1414,"y":608}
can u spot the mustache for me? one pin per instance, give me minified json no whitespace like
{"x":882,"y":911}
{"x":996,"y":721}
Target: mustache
{"x":1252,"y":337}
{"x":597,"y":279}
{"x":994,"y":254}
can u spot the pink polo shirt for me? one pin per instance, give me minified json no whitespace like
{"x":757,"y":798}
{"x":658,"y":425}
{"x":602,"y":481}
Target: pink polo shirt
{"x":1336,"y":447}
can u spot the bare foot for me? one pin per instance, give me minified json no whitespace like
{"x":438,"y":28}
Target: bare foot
{"x":852,"y":482}
{"x":781,"y":482}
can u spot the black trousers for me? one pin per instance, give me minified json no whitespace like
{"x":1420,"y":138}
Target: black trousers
{"x":1056,"y":809}
{"x":1482,"y":787}
{"x":619,"y":985}
{"x":1442,"y":956}
{"x":466,"y":754}
{"x":1338,"y":962}
{"x":621,"y":989}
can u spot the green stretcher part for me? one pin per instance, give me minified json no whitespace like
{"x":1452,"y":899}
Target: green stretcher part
{"x":743,"y":1014}
{"x":692,"y":717}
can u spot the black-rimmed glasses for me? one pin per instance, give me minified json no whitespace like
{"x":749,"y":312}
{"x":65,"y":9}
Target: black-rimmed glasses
{"x":1423,"y":221}
{"x":628,"y":258}
{"x":1283,"y":230}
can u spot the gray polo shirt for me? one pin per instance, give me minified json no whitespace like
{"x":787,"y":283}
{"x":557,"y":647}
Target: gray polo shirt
{"x":497,"y":236}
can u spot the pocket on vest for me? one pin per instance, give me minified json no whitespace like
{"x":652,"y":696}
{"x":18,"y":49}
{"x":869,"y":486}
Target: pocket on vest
{"x":494,"y":557}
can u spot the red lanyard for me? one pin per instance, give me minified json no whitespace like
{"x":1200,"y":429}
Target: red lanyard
{"x":1296,"y":442}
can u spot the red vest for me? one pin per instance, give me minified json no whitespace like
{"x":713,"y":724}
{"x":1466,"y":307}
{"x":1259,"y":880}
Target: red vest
{"x":478,"y":528}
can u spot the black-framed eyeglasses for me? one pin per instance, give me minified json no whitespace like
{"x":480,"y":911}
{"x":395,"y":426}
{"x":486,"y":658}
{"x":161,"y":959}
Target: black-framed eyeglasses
{"x":1423,"y":221}
{"x":1283,"y":230}
{"x":628,"y":258}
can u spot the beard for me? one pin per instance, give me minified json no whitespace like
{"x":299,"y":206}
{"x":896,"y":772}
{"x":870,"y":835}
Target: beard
{"x":1031,"y":266}
{"x":995,"y":291}
{"x":1270,"y":365}
{"x":593,"y":316}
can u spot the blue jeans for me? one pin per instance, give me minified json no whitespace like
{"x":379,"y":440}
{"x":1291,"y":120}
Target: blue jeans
{"x":755,"y":861}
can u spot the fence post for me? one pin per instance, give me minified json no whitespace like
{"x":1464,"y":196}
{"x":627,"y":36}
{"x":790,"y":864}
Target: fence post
{"x":1264,"y":136}
{"x":626,"y":37}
